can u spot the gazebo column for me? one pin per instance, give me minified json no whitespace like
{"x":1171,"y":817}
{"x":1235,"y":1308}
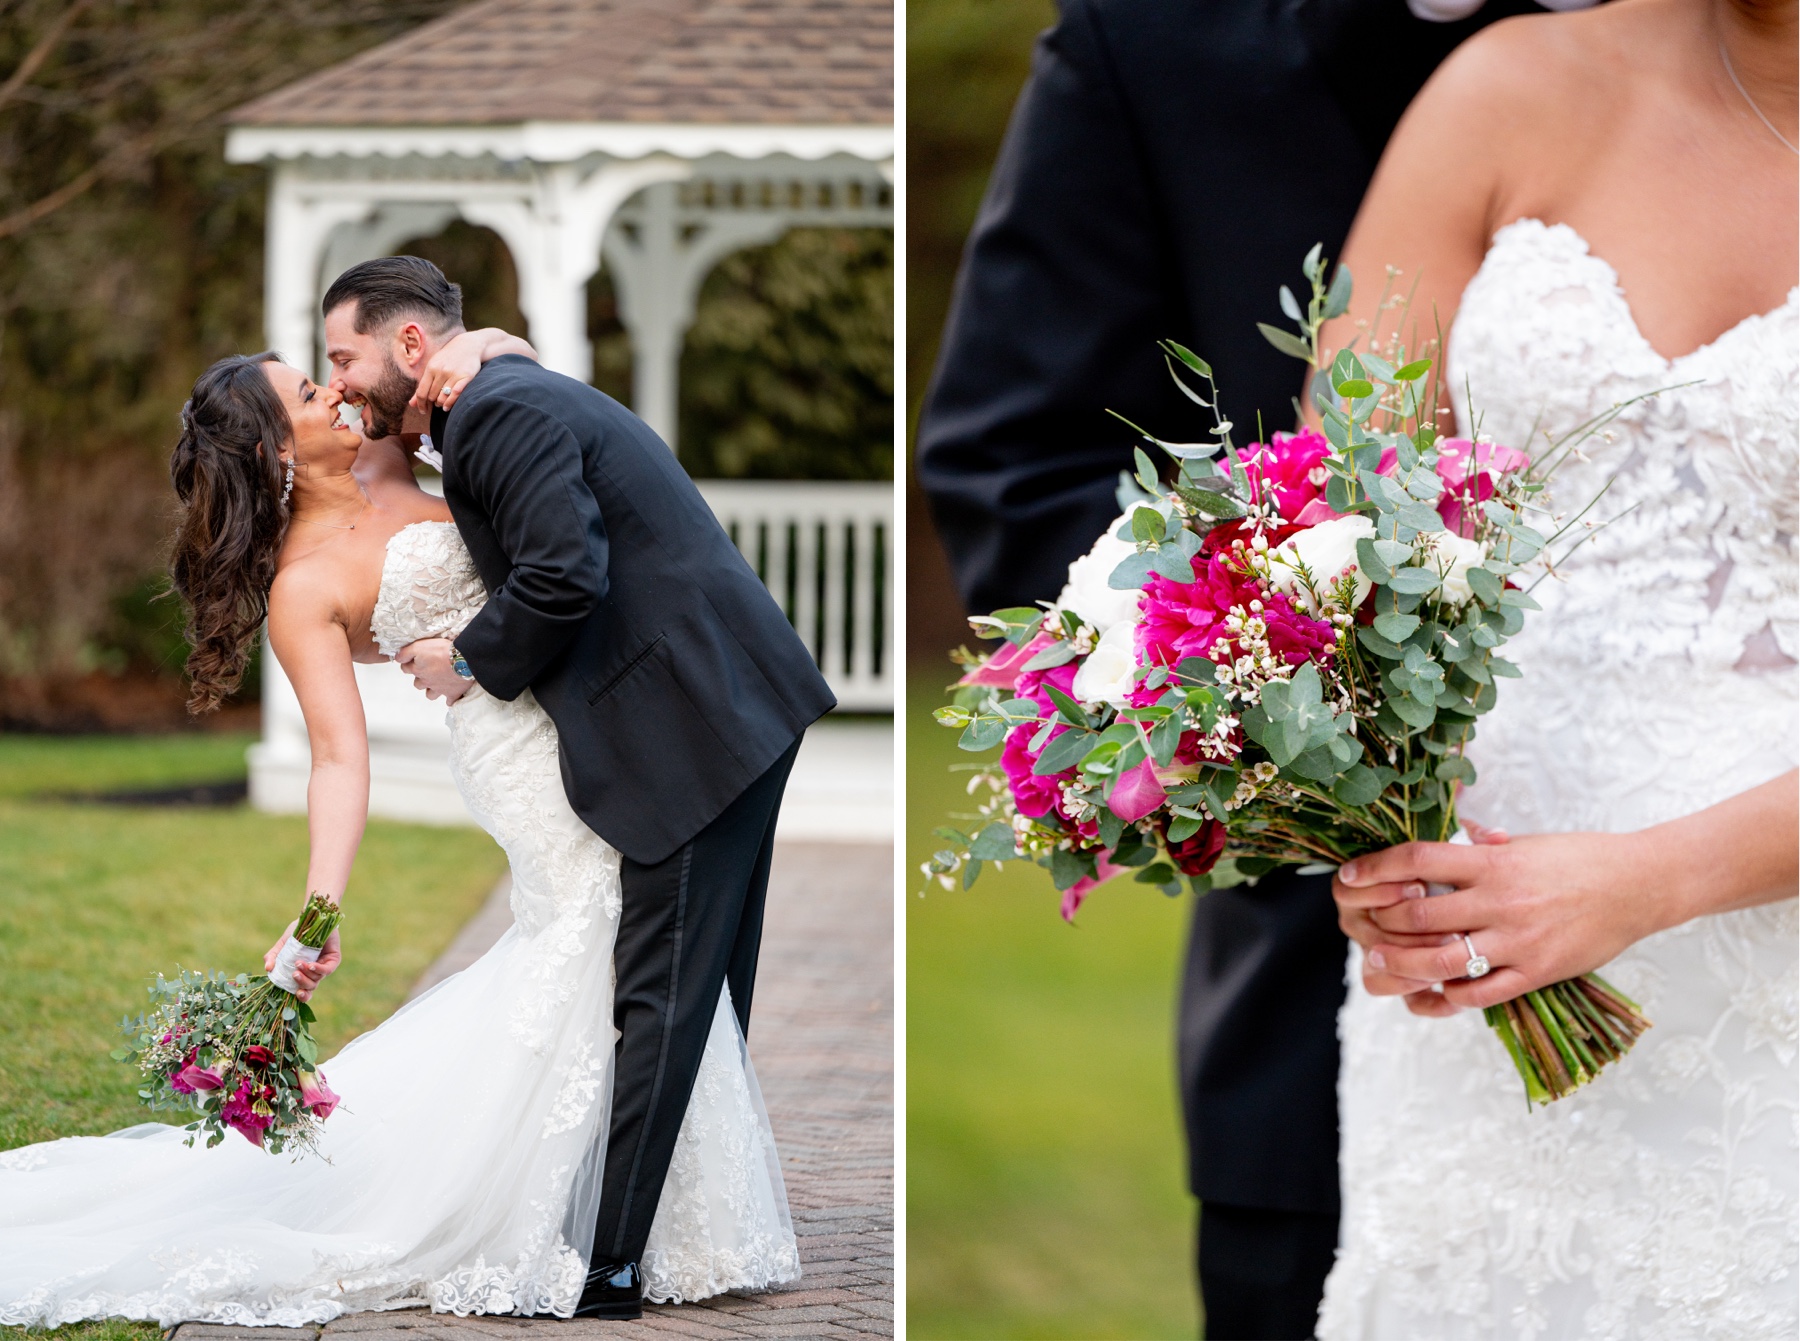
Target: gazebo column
{"x":657,"y":273}
{"x":300,"y":226}
{"x":555,"y":242}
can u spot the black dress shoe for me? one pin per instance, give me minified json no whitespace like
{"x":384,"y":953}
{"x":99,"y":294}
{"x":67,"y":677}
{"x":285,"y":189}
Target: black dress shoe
{"x":613,"y":1290}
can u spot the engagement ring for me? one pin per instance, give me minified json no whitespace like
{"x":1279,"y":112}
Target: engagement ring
{"x":1477,"y":966}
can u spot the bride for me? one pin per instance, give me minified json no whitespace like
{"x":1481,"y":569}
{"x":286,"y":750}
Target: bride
{"x":462,"y":1169}
{"x":1599,"y":205}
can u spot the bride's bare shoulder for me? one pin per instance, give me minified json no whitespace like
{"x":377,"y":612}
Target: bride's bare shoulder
{"x":1510,"y":85}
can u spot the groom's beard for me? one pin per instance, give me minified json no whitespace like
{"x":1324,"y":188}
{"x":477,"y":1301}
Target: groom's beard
{"x":387,"y":400}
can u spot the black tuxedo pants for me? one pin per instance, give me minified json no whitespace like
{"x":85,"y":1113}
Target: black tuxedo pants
{"x":689,"y":924}
{"x":1262,"y":1272}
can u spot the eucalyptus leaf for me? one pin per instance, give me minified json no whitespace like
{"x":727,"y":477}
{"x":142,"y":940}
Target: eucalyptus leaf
{"x":1377,"y":644}
{"x":1486,"y":586}
{"x":1393,"y":552}
{"x":1288,"y":343}
{"x":1415,"y":581}
{"x":1502,"y":667}
{"x":1068,"y":869}
{"x":1412,"y":371}
{"x":1290,"y":306}
{"x":1371,"y":562}
{"x":1057,"y":654}
{"x":1360,"y":786}
{"x":1414,"y":713}
{"x":1131,"y":572}
{"x":995,"y":842}
{"x":1172,"y":564}
{"x":982,"y":734}
{"x":1395,"y":625}
{"x":1421,"y":517}
{"x":1337,"y":297}
{"x":1063,"y":753}
{"x":1317,"y":764}
{"x":1147,"y":477}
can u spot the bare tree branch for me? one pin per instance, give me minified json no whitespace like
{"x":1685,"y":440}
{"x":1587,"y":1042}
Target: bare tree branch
{"x":40,"y":53}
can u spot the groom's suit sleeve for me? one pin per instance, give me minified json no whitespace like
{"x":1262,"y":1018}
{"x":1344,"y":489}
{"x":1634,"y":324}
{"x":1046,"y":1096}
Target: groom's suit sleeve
{"x":1066,"y":282}
{"x":523,"y":469}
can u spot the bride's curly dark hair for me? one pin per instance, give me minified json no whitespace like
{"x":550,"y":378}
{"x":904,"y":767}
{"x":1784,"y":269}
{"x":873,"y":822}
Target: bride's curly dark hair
{"x":227,"y":472}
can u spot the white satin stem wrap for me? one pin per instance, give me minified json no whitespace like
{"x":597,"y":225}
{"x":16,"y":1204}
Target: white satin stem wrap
{"x":292,"y":953}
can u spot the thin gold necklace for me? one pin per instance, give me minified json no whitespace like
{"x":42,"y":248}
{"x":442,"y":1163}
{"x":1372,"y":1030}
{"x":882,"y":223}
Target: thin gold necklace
{"x":330,"y":526}
{"x":1730,"y":70}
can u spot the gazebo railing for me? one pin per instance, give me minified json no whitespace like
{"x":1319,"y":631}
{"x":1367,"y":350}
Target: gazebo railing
{"x":825,"y":549}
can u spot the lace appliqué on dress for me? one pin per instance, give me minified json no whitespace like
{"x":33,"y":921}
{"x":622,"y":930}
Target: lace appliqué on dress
{"x":1660,"y":1201}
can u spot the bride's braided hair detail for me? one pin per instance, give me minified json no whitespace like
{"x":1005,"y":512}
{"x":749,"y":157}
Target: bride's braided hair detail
{"x":226,"y":468}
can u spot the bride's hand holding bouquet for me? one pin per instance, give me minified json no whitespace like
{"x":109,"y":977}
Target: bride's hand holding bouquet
{"x":1547,"y":907}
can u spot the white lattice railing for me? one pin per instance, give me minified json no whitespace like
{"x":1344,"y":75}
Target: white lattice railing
{"x":826,"y":552}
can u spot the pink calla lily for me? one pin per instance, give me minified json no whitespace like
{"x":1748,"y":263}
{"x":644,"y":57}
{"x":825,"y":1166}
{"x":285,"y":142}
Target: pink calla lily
{"x":1001,"y":670}
{"x":1137,"y":792}
{"x":317,"y":1095}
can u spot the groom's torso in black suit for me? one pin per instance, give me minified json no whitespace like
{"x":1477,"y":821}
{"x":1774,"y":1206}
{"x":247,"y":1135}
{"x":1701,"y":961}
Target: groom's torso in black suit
{"x":1166,"y":168}
{"x":672,"y":676}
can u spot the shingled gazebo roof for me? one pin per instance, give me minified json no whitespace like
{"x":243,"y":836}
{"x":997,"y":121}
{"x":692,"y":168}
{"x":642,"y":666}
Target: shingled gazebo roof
{"x":668,"y":62}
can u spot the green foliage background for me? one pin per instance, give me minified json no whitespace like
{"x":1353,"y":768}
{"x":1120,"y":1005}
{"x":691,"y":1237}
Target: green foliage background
{"x":114,"y":299}
{"x":1046,"y":1193}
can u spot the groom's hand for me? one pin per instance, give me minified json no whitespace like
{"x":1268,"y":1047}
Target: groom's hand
{"x":428,"y":662}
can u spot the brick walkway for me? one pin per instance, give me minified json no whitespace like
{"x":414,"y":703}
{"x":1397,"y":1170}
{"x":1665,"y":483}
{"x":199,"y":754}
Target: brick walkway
{"x":821,"y":1035}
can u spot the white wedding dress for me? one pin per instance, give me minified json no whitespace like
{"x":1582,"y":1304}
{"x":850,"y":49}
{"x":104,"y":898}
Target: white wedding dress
{"x":461,"y":1172}
{"x":1659,"y":679}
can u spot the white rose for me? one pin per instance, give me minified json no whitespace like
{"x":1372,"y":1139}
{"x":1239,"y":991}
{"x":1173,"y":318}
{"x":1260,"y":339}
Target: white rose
{"x":1324,"y":551}
{"x":1087,"y":593}
{"x":1107,"y":675}
{"x":1456,"y":556}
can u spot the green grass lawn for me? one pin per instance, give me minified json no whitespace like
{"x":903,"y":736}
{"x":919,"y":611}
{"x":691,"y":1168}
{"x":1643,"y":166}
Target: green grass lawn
{"x":1046,"y":1187}
{"x":95,"y":900}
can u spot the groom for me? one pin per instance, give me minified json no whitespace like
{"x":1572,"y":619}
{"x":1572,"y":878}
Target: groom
{"x":678,"y":688}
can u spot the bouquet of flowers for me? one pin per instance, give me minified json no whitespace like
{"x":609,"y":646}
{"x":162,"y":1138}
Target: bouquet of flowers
{"x":1278,"y":657}
{"x":238,"y":1053}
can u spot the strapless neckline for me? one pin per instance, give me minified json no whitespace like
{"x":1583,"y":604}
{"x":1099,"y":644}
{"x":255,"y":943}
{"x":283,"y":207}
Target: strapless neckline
{"x":1567,"y":237}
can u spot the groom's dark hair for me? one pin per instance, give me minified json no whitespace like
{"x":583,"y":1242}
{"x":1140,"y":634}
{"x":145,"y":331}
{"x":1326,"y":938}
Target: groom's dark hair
{"x":396,"y":286}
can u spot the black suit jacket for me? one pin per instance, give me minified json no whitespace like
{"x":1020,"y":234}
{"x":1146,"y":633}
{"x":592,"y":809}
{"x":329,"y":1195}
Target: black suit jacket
{"x":1166,"y":168}
{"x":616,"y":597}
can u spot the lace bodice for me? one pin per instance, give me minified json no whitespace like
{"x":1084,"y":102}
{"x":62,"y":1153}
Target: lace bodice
{"x":429,"y":587}
{"x":1658,"y":679}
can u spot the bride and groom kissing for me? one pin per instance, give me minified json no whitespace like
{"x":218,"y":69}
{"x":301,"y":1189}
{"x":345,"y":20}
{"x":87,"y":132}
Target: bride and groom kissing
{"x":572,"y":1125}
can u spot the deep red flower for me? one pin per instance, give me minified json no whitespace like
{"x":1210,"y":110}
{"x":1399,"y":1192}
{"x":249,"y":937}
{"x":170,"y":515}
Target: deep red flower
{"x":1199,"y":852}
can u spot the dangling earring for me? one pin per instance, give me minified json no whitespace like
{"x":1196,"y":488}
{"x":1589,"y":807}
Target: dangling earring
{"x":287,"y":484}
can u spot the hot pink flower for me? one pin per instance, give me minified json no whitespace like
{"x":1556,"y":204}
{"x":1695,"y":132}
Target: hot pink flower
{"x":1455,"y":458}
{"x":240,"y":1115}
{"x":258,"y":1055}
{"x":1187,"y":619}
{"x":316,"y":1094}
{"x":1001,"y":669}
{"x":1035,"y":794}
{"x":1290,"y":467}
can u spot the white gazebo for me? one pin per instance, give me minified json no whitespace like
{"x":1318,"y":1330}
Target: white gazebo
{"x":654,"y":137}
